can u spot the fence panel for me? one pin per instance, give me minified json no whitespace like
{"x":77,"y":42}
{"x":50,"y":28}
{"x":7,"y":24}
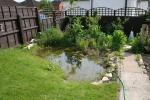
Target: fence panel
{"x":102,"y":11}
{"x":76,"y":11}
{"x":130,"y":12}
{"x":29,"y":23}
{"x":47,"y":23}
{"x":9,"y":29}
{"x":17,"y":23}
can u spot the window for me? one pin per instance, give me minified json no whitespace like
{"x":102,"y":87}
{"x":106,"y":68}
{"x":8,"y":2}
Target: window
{"x":1,"y":28}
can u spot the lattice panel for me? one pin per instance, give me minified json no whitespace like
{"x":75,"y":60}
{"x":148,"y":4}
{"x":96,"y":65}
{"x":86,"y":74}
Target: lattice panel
{"x":77,"y":11}
{"x":102,"y":11}
{"x":130,"y":11}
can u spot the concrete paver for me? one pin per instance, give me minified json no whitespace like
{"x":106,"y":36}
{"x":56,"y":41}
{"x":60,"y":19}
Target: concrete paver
{"x":137,"y":84}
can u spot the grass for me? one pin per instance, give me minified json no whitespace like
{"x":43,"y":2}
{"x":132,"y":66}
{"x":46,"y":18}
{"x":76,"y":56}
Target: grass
{"x":24,"y":76}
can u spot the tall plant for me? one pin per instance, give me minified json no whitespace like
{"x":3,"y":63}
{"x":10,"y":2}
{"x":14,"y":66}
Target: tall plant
{"x":45,"y":4}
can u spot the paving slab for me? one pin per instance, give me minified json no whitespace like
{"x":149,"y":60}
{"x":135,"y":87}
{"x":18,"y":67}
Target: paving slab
{"x":136,"y":83}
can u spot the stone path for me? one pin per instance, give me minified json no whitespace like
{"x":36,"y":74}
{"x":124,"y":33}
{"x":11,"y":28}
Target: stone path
{"x":137,"y":84}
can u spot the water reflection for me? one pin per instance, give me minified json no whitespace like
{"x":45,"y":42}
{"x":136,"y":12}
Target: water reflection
{"x":77,"y":66}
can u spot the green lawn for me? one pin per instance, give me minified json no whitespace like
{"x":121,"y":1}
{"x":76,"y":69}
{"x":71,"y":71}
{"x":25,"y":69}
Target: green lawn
{"x":24,"y":76}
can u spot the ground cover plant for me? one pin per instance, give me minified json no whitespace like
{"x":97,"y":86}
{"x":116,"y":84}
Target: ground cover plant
{"x":24,"y":76}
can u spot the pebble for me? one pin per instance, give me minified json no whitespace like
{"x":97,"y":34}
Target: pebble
{"x":109,"y":75}
{"x":105,"y":79}
{"x":97,"y":83}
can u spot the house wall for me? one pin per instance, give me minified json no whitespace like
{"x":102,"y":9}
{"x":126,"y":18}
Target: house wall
{"x":82,"y":4}
{"x":114,"y":4}
{"x":143,"y":5}
{"x":132,"y":3}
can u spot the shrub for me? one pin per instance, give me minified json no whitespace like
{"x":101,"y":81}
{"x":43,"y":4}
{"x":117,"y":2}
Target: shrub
{"x":83,"y":44}
{"x":92,"y":43}
{"x":51,"y":37}
{"x":118,"y":40}
{"x":104,"y":41}
{"x":118,"y":24}
{"x":76,"y":30}
{"x":137,"y":46}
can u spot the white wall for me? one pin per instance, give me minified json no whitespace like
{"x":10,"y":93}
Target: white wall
{"x":143,"y":5}
{"x":132,"y":3}
{"x":114,"y":4}
{"x":82,"y":4}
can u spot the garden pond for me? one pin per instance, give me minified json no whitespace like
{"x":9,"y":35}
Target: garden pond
{"x":76,"y":65}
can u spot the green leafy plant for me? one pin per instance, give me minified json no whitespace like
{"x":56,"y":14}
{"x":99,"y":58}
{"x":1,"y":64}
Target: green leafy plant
{"x":118,"y":24}
{"x":104,"y":41}
{"x":45,"y":6}
{"x":83,"y":44}
{"x":137,"y":46}
{"x":119,"y":40}
{"x":51,"y":37}
{"x":92,"y":43}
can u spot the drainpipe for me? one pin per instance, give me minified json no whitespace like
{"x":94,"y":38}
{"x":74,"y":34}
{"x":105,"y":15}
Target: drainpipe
{"x":126,"y":5}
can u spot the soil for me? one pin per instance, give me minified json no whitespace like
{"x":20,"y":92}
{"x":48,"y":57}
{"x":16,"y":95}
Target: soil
{"x":146,"y":59}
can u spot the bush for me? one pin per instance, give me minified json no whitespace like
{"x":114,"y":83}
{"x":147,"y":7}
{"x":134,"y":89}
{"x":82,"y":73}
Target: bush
{"x":92,"y":43}
{"x":104,"y":41}
{"x":83,"y":44}
{"x":118,"y":40}
{"x":51,"y":37}
{"x":76,"y":30}
{"x":137,"y":46}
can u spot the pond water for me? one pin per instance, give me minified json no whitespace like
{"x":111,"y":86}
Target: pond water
{"x":77,"y":66}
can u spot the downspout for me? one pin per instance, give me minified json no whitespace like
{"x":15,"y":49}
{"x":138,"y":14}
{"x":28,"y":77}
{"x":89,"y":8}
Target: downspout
{"x":126,"y":5}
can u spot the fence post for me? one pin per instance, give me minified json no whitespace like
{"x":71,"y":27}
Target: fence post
{"x":54,"y":18}
{"x":91,"y":12}
{"x":114,"y":13}
{"x":38,"y":20}
{"x":20,"y":27}
{"x":65,"y":13}
{"x":20,"y":34}
{"x":87,"y":13}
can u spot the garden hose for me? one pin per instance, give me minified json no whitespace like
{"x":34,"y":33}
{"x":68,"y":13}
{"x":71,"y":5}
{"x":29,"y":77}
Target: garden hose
{"x":122,"y":87}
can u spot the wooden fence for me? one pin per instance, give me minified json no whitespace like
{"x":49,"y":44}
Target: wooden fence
{"x":18,"y":25}
{"x":104,"y":11}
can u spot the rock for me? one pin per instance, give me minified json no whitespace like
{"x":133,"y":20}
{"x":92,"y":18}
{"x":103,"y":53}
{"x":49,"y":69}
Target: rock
{"x":105,"y":79}
{"x":144,"y":71}
{"x":30,"y":46}
{"x":109,"y":75}
{"x":147,"y":48}
{"x":141,"y":62}
{"x":97,"y":83}
{"x":33,"y":41}
{"x":113,"y":65}
{"x":142,"y":66}
{"x":127,"y":47}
